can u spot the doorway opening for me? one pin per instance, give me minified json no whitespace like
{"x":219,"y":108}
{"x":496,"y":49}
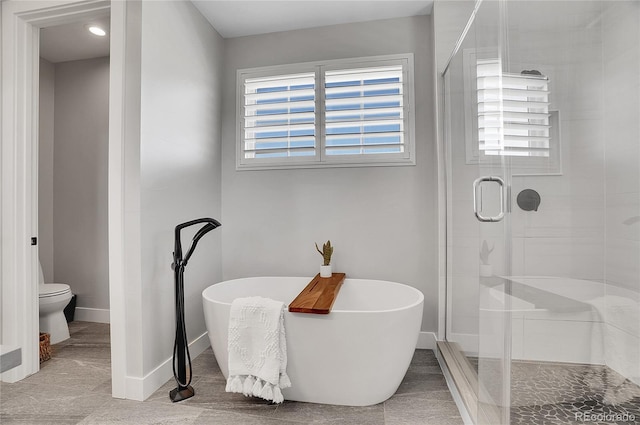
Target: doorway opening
{"x":73,"y":149}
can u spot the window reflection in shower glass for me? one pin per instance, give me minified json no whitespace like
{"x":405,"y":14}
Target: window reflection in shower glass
{"x":513,"y":111}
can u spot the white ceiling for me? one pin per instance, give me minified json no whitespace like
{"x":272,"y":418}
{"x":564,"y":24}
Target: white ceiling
{"x":236,"y":18}
{"x":69,"y":42}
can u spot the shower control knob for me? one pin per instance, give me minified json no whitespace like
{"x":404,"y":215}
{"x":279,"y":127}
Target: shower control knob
{"x":528,"y":200}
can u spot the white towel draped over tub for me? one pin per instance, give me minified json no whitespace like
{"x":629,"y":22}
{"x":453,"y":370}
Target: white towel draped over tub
{"x":257,"y":348}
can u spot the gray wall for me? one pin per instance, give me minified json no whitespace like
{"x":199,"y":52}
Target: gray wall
{"x":81,"y":133}
{"x":45,"y":168}
{"x":180,"y":175}
{"x":381,"y":220}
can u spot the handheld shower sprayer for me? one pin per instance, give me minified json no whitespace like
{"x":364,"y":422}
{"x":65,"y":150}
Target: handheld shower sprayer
{"x":203,"y":231}
{"x":181,"y":354}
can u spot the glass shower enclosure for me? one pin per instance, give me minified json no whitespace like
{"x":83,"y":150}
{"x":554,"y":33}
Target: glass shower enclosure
{"x":542,"y":150}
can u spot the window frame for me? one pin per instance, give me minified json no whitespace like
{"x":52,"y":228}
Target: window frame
{"x":320,"y":159}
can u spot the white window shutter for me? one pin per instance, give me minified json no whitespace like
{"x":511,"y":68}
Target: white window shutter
{"x":364,"y":111}
{"x":279,"y":116}
{"x":348,"y":112}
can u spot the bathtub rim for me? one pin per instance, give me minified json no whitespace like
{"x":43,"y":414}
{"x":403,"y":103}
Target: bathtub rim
{"x":419,"y":301}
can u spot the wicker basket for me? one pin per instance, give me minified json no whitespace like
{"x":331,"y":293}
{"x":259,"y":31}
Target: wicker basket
{"x":45,"y":347}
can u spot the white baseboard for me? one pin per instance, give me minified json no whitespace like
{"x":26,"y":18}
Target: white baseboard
{"x":141,"y":388}
{"x":427,"y":341}
{"x":96,"y":315}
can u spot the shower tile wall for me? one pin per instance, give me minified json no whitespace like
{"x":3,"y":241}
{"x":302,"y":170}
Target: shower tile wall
{"x":621,"y":68}
{"x":565,"y":237}
{"x":588,"y":224}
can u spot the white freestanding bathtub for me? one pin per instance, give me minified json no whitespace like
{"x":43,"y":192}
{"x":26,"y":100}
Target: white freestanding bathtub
{"x":357,"y":355}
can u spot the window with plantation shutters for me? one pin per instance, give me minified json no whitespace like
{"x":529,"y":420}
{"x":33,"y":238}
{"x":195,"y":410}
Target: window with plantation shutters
{"x":279,"y":116}
{"x":364,"y":111}
{"x":353,"y":112}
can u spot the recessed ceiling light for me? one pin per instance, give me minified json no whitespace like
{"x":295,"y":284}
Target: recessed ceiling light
{"x":94,"y":29}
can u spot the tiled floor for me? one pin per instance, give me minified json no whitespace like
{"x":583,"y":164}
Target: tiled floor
{"x":560,"y":393}
{"x":74,"y":388}
{"x":550,"y":393}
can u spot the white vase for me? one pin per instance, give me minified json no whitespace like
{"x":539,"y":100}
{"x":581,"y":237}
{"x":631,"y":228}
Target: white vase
{"x":486,"y":270}
{"x":325,"y":271}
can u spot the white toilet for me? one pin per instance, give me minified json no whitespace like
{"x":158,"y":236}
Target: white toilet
{"x":53,"y":297}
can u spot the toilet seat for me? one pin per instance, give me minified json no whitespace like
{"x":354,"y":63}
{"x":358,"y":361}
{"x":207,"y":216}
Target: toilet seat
{"x":53,"y":289}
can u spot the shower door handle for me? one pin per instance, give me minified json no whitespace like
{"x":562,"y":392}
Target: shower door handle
{"x":477,"y":199}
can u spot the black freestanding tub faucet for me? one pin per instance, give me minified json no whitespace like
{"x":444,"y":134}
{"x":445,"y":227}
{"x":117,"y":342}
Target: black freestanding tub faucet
{"x":181,"y":355}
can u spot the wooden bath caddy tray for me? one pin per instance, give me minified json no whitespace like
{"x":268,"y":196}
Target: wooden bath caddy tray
{"x":318,"y":296}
